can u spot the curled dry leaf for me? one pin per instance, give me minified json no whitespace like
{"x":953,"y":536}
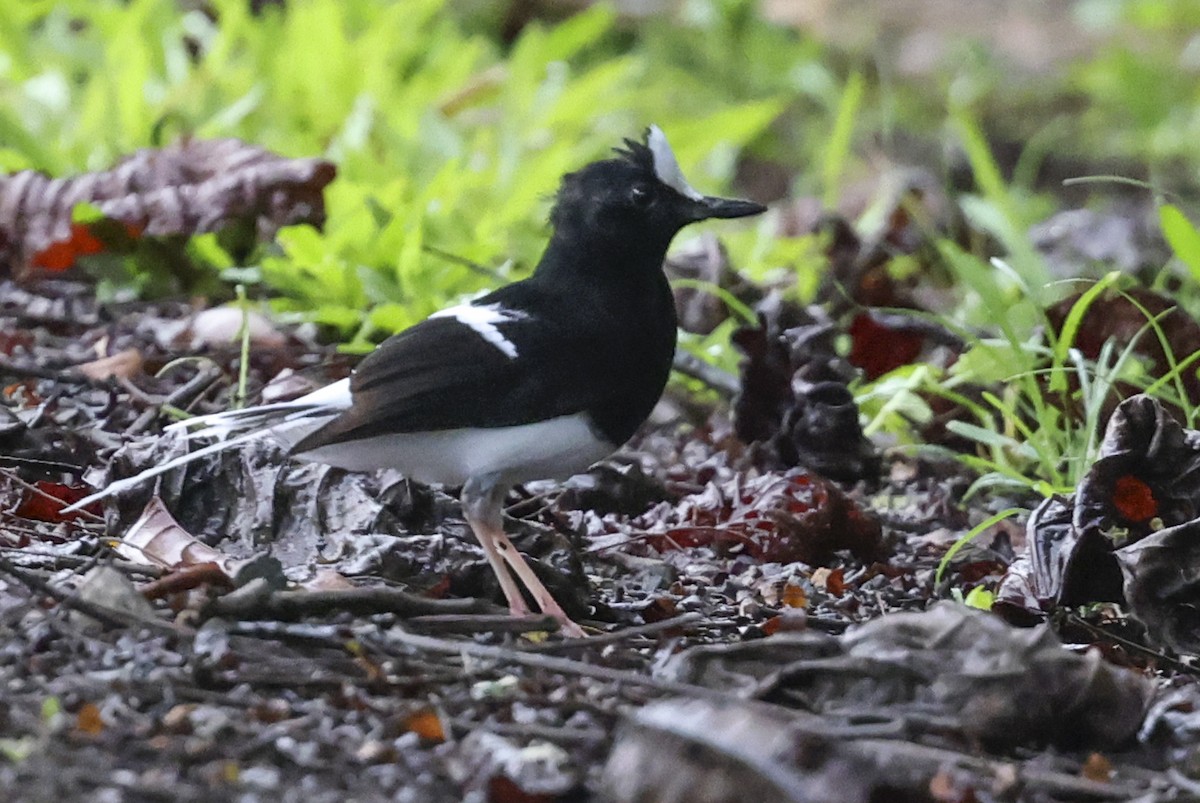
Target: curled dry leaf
{"x":188,"y":188}
{"x":1129,"y":534}
{"x":156,"y":539}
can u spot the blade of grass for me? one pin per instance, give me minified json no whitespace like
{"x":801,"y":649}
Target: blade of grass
{"x":836,"y":154}
{"x":970,"y":536}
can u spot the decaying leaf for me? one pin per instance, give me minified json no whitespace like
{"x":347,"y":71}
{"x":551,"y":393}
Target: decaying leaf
{"x":110,"y":590}
{"x":795,"y":516}
{"x":124,"y":364}
{"x":1162,"y":585}
{"x":157,"y":539}
{"x":44,"y":500}
{"x":191,"y":187}
{"x":999,"y":684}
{"x":1129,"y":534}
{"x":88,"y":720}
{"x":426,"y":723}
{"x":696,"y":751}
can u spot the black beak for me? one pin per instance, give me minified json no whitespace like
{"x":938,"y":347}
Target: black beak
{"x":709,"y":207}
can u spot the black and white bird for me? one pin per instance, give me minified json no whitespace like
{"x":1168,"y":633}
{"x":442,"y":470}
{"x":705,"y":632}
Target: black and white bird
{"x":536,"y":380}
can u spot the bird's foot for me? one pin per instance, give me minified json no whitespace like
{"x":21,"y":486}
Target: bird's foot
{"x":541,"y":595}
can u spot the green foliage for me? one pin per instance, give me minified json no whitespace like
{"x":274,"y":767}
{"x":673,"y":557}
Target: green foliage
{"x":1141,"y":100}
{"x":445,"y":139}
{"x":1182,"y":236}
{"x":1036,"y":422}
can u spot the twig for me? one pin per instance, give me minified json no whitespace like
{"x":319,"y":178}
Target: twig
{"x":533,"y":730}
{"x":910,"y":754}
{"x":67,"y":375}
{"x":333,"y":636}
{"x":481,"y":623}
{"x":549,"y":663}
{"x":105,"y":615}
{"x":1133,"y":646}
{"x":721,"y":381}
{"x":650,"y":628}
{"x":357,"y":601}
{"x":55,"y":562}
{"x":182,"y":396}
{"x":187,"y":579}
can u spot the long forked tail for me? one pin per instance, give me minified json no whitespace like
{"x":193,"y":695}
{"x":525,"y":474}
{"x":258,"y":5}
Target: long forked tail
{"x":286,"y":421}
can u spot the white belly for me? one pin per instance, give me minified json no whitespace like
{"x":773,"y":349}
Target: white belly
{"x":553,"y":449}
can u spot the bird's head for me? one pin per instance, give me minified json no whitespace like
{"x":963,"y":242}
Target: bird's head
{"x":640,"y":197}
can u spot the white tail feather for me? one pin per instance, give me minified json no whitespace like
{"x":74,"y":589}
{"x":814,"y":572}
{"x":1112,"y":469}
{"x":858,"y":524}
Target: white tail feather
{"x":117,"y":487}
{"x":288,"y":421}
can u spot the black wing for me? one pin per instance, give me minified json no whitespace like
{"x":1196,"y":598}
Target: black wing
{"x":443,"y":374}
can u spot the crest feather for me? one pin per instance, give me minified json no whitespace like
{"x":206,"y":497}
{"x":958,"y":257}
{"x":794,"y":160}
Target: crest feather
{"x":656,"y":155}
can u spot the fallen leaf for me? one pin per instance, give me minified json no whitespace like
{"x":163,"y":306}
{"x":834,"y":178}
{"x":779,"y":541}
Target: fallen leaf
{"x":187,"y":188}
{"x":220,"y":326}
{"x":795,"y":516}
{"x":427,"y":724}
{"x":47,"y":499}
{"x":124,"y":364}
{"x":88,"y":720}
{"x":793,"y":596}
{"x":880,"y":344}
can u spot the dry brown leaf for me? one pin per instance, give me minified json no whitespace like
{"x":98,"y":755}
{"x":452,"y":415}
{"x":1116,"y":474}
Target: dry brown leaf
{"x":793,"y":596}
{"x":124,"y":364}
{"x":156,"y":539}
{"x":88,"y":720}
{"x":190,"y":187}
{"x":427,"y":724}
{"x":220,"y":326}
{"x":326,"y":579}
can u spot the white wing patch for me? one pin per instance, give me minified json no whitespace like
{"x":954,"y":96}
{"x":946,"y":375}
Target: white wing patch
{"x":666,"y":167}
{"x":485,"y":322}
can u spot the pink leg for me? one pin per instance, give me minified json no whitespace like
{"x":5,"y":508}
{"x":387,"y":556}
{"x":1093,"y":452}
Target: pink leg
{"x":512,"y":594}
{"x":541,"y":595}
{"x":482,"y":499}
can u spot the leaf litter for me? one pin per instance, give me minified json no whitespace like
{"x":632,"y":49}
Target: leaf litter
{"x":249,"y":627}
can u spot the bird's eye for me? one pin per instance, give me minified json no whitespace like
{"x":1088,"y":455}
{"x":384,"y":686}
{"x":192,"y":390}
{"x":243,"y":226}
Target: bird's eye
{"x":640,"y":195}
